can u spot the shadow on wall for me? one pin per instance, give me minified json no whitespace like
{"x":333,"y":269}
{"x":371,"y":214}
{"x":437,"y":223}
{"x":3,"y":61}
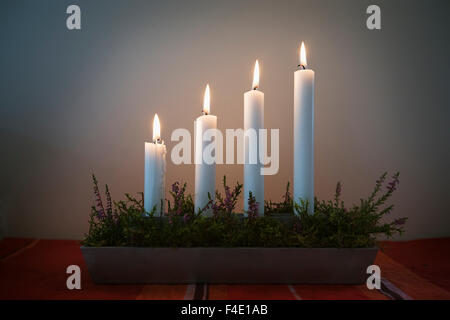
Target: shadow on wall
{"x":39,"y":189}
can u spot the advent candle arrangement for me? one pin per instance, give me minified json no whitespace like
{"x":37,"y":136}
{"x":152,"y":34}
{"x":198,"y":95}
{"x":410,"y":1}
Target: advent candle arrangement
{"x":155,"y":171}
{"x":304,"y":132}
{"x":205,"y":166}
{"x":253,"y":121}
{"x":205,"y":173}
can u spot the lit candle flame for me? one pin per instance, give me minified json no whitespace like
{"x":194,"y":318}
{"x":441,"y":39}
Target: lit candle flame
{"x":206,"y":100}
{"x":256,"y":76}
{"x":156,"y":129}
{"x":303,"y":55}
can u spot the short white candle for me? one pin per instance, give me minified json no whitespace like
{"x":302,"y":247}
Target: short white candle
{"x":205,"y":174}
{"x":155,"y":171}
{"x":304,"y":132}
{"x":253,"y":120}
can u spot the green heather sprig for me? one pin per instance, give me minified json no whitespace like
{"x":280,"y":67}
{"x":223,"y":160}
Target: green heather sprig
{"x":221,"y":205}
{"x":285,"y":206}
{"x":98,"y":207}
{"x":252,"y":206}
{"x":182,"y":205}
{"x":125,"y":222}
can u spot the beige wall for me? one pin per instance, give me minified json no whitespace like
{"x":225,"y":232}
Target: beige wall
{"x":77,"y":102}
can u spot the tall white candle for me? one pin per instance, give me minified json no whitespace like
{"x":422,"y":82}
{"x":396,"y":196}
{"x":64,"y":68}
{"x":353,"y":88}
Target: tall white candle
{"x":205,"y":174}
{"x":304,"y":132}
{"x":155,"y":171}
{"x":253,"y":121}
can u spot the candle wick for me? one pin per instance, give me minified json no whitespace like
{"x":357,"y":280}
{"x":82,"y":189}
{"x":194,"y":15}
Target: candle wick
{"x":204,"y":113}
{"x":157,"y":141}
{"x":302,"y":67}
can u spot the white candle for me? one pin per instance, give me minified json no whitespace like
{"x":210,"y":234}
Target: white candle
{"x":304,"y":132}
{"x":205,"y":174}
{"x":253,"y":120}
{"x":155,"y":171}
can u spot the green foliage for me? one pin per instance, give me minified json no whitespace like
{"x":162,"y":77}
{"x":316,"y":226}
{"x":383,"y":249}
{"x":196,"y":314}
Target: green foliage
{"x":285,"y":206}
{"x":334,"y":225}
{"x":225,"y":205}
{"x":125,"y":223}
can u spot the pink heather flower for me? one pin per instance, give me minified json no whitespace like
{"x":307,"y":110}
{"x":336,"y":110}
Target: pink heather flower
{"x":252,"y":206}
{"x":392,"y":186}
{"x":338,"y":189}
{"x":381,"y":180}
{"x":98,"y":200}
{"x":175,"y":187}
{"x":400,"y":222}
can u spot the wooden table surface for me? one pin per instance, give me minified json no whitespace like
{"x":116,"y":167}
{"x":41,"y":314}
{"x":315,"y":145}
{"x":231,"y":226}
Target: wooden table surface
{"x":36,"y":269}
